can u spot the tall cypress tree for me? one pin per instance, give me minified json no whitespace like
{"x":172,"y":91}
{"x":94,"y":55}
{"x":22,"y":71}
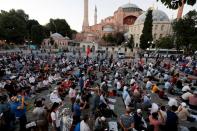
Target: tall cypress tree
{"x":146,"y":37}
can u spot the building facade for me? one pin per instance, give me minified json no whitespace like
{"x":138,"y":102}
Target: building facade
{"x":161,"y":26}
{"x":122,"y":18}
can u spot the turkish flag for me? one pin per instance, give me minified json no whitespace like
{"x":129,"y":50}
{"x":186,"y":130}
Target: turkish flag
{"x":88,"y":51}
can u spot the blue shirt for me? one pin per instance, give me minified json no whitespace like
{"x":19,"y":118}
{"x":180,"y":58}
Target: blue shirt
{"x":77,"y":127}
{"x":76,"y":109}
{"x":18,"y":112}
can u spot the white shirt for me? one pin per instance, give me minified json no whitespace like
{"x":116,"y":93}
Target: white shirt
{"x":167,"y":85}
{"x":102,"y":100}
{"x":148,"y":85}
{"x":118,"y":85}
{"x":54,"y":98}
{"x":84,"y":126}
{"x":31,"y":79}
{"x":127,"y":100}
{"x":186,"y":96}
{"x":55,"y":117}
{"x":72,"y":93}
{"x":185,"y":88}
{"x":172,"y":102}
{"x":45,"y":82}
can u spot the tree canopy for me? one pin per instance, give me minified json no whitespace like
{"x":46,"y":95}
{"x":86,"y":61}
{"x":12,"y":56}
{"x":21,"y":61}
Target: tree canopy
{"x":186,"y":31}
{"x":146,"y":38}
{"x":60,"y":26}
{"x":174,"y":4}
{"x":165,"y":42}
{"x":16,"y":27}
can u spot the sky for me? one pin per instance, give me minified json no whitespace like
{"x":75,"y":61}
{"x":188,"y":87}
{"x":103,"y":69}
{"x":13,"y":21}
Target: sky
{"x":72,"y":10}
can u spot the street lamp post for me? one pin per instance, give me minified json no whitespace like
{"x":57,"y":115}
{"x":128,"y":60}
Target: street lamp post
{"x":150,"y":42}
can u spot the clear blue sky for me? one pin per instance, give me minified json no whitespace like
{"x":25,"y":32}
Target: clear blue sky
{"x":72,"y":10}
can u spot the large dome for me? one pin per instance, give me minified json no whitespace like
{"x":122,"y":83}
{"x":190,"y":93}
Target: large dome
{"x":158,"y":16}
{"x":129,"y":5}
{"x":56,"y":35}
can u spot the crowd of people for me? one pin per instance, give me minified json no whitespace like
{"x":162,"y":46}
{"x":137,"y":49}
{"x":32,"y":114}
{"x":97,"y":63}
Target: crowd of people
{"x":155,"y":94}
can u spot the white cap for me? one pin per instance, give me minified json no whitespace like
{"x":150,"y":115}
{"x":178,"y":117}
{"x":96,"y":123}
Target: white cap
{"x":186,"y":88}
{"x":132,"y":81}
{"x":183,"y":104}
{"x":103,"y":118}
{"x":55,"y":91}
{"x":139,"y":110}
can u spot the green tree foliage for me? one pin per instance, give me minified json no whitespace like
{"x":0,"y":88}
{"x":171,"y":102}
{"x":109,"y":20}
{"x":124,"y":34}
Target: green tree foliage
{"x":147,"y":31}
{"x":119,"y":38}
{"x":165,"y":42}
{"x":174,"y":4}
{"x":13,"y":26}
{"x":30,"y":23}
{"x":60,"y":26}
{"x":131,"y":42}
{"x":186,"y":31}
{"x":37,"y":34}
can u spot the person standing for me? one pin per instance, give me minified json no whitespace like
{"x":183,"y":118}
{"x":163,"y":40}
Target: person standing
{"x":18,"y":107}
{"x":40,"y":116}
{"x":172,"y":119}
{"x":84,"y":124}
{"x":126,"y":120}
{"x":55,"y":117}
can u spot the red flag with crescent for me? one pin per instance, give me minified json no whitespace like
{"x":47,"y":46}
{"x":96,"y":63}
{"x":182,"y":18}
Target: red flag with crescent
{"x":88,"y":51}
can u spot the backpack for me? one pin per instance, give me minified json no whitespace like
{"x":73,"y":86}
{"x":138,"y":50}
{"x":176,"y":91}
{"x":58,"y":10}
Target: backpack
{"x":5,"y":116}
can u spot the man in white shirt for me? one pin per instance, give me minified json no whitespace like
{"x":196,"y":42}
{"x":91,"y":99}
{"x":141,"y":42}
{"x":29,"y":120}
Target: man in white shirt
{"x":127,"y":101}
{"x":118,"y":85}
{"x":31,"y":80}
{"x":148,"y":84}
{"x":84,"y":125}
{"x":186,"y":96}
{"x":167,"y":85}
{"x":186,"y":88}
{"x":54,"y":97}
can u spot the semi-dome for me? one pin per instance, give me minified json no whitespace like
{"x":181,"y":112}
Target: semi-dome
{"x":129,"y":5}
{"x":56,"y":35}
{"x":158,"y":16}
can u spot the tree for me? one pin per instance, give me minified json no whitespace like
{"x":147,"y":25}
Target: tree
{"x":131,"y":42}
{"x":119,"y":38}
{"x":13,"y":26}
{"x":37,"y":34}
{"x":174,"y":4}
{"x":185,"y":31}
{"x":165,"y":42}
{"x":60,"y":26}
{"x":146,"y":37}
{"x":30,"y":23}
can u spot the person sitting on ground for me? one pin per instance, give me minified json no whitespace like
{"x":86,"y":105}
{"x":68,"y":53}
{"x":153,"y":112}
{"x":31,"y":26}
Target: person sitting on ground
{"x":54,"y":97}
{"x":139,"y":121}
{"x":193,"y":101}
{"x":100,"y":124}
{"x":185,"y":96}
{"x":183,"y":113}
{"x":155,"y":88}
{"x":162,"y":94}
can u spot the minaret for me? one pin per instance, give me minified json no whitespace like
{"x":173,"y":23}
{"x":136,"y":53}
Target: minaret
{"x":85,"y":19}
{"x":95,"y":16}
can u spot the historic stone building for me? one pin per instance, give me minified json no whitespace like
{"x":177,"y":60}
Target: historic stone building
{"x":122,"y":18}
{"x":161,"y":26}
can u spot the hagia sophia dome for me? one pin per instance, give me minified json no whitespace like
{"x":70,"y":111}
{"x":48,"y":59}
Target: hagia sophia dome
{"x":157,"y":15}
{"x":130,"y":7}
